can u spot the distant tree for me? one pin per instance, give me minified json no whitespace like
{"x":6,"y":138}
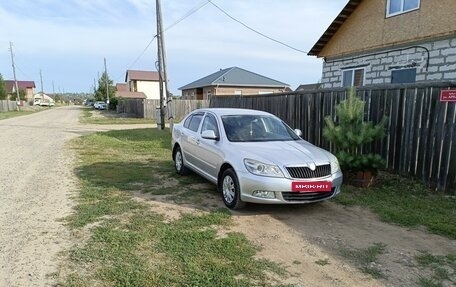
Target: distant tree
{"x":3,"y":93}
{"x":100,"y":93}
{"x":22,"y":95}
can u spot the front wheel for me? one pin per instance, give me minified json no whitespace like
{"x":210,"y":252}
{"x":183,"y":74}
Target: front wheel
{"x":230,"y":190}
{"x":179,"y":162}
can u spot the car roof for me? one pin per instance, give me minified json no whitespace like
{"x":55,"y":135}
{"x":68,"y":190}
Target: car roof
{"x":232,"y":111}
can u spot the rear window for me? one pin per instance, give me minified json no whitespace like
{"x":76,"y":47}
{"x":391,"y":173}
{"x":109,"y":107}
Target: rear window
{"x":192,"y":122}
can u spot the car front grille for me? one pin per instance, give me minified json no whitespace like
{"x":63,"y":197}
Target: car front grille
{"x":306,"y":172}
{"x":307,"y":196}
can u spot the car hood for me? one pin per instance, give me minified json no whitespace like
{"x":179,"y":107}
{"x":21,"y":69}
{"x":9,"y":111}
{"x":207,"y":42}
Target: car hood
{"x":285,"y":153}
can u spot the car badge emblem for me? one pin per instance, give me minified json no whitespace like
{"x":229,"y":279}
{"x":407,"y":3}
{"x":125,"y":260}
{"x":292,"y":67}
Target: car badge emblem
{"x":312,"y":166}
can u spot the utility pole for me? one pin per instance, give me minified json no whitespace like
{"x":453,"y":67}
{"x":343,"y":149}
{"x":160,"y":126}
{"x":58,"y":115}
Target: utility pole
{"x":14,"y":74}
{"x":42,"y":90}
{"x":162,"y":66}
{"x":53,"y":90}
{"x":107,"y":84}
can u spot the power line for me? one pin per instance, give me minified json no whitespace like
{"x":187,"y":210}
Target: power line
{"x":185,"y":16}
{"x":256,"y":31}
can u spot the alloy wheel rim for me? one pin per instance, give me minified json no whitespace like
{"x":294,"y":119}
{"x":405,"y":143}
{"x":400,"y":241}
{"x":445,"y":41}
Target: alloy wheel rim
{"x":228,"y":189}
{"x":178,"y":161}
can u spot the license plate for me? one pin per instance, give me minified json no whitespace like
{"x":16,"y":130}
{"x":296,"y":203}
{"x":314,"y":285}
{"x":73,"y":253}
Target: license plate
{"x":311,"y":186}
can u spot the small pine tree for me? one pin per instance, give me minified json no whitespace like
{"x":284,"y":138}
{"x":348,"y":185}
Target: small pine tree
{"x":351,"y":134}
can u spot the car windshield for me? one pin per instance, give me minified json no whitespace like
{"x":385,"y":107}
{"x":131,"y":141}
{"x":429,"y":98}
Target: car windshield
{"x":255,"y":128}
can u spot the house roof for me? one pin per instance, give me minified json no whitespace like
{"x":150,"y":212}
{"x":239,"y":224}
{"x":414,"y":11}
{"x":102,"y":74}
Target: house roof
{"x":309,"y":87}
{"x":234,"y":76}
{"x":335,"y":25}
{"x":9,"y":84}
{"x":142,"y":75}
{"x":121,"y":87}
{"x":130,"y":95}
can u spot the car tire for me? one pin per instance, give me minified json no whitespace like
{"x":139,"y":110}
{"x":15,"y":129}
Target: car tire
{"x":179,"y":162}
{"x":230,"y":190}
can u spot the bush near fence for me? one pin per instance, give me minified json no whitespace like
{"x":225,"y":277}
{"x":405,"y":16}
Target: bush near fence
{"x":421,"y":134}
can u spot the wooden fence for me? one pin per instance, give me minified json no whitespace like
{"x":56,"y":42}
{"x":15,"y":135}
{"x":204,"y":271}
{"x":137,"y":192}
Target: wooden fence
{"x":6,"y":106}
{"x":148,"y":108}
{"x":421,"y":134}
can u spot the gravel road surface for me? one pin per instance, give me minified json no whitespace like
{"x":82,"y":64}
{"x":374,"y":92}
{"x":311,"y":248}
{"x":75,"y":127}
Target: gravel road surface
{"x":36,"y":186}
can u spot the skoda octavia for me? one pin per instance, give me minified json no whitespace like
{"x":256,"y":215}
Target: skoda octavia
{"x":253,"y":156}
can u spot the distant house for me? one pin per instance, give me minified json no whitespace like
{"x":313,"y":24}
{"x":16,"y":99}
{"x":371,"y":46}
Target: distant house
{"x":123,"y":92}
{"x":122,"y":87}
{"x":147,"y":82}
{"x":231,"y":81}
{"x":27,"y":86}
{"x":389,"y":41}
{"x":306,"y":87}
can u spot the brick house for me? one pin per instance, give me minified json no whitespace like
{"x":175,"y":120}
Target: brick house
{"x":231,"y":81}
{"x":389,"y":41}
{"x":27,"y":86}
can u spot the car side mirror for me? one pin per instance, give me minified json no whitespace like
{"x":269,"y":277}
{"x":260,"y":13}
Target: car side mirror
{"x":209,"y":134}
{"x":298,"y":132}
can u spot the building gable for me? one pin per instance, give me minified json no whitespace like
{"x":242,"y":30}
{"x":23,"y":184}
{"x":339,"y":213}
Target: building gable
{"x":363,"y":25}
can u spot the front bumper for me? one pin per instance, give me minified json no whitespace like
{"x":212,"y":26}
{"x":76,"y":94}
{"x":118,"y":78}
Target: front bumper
{"x":250,"y":183}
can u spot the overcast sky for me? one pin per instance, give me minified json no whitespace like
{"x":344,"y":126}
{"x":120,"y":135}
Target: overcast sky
{"x":68,"y":39}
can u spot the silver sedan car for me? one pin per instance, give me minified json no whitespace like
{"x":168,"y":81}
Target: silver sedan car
{"x":253,"y":156}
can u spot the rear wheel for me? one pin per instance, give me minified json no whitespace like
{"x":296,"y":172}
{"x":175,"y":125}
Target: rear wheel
{"x":179,"y":162}
{"x":230,"y":190}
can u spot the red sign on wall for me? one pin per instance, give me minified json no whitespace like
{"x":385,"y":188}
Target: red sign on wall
{"x":448,"y":96}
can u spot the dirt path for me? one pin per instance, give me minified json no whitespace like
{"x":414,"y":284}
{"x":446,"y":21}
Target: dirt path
{"x":37,"y":184}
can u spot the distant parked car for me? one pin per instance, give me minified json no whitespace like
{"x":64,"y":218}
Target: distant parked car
{"x":253,"y":156}
{"x":100,"y":105}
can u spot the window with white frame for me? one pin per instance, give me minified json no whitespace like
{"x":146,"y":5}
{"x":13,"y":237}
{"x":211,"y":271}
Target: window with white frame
{"x":396,"y":7}
{"x":353,"y":77}
{"x":208,"y":95}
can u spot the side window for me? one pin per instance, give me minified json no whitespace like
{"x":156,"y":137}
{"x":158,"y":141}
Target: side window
{"x":195,"y":122}
{"x":210,"y":123}
{"x":403,"y":76}
{"x":396,"y":7}
{"x":187,"y":122}
{"x":353,"y":77}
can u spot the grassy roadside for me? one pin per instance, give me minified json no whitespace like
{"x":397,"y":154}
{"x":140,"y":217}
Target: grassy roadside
{"x":126,"y":243}
{"x":408,"y":203}
{"x":108,"y":118}
{"x":405,"y":202}
{"x":12,"y":114}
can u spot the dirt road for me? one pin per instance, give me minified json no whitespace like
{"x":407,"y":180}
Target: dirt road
{"x":37,"y":184}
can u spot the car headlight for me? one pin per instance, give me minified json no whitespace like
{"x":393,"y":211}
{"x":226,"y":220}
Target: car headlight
{"x":335,"y":167}
{"x":262,"y":169}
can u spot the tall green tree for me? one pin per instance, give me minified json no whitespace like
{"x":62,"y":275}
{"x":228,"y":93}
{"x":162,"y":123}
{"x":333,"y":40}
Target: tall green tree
{"x":100,"y":93}
{"x":3,"y":93}
{"x":22,"y":95}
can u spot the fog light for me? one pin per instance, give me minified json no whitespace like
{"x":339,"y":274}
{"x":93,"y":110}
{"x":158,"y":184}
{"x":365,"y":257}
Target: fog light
{"x":264,"y":194}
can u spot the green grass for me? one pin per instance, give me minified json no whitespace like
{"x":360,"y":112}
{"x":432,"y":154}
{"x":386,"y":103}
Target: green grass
{"x":442,"y":269}
{"x":405,"y":202}
{"x":12,"y":114}
{"x":366,"y":258}
{"x":123,"y":242}
{"x":109,"y":118}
